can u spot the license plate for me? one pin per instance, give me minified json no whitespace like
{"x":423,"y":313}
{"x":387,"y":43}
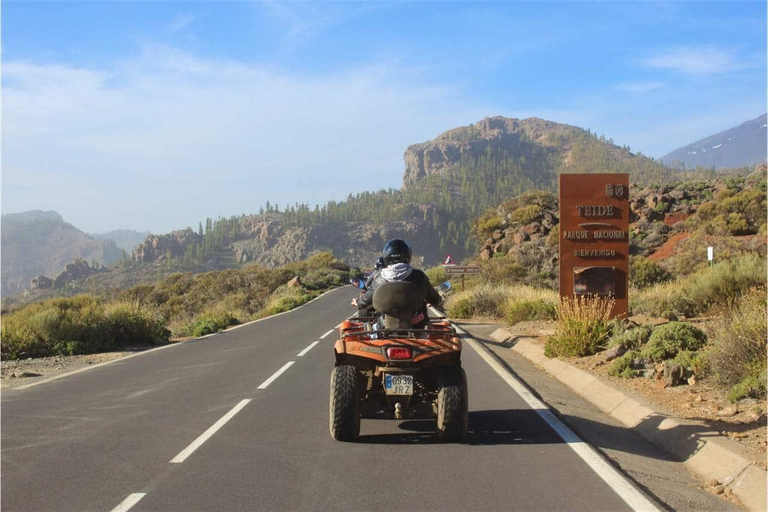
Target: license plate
{"x":398,"y":384}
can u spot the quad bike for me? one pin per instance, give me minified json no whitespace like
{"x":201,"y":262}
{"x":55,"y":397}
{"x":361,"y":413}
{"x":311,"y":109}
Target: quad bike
{"x":385,"y":367}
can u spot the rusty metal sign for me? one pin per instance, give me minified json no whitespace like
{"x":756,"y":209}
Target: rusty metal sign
{"x":594,"y":237}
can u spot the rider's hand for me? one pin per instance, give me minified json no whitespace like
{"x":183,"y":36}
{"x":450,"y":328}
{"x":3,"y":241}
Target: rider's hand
{"x":354,"y":301}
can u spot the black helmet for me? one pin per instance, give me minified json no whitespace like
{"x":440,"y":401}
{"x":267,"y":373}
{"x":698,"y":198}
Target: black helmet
{"x":396,"y":251}
{"x":379,"y":263}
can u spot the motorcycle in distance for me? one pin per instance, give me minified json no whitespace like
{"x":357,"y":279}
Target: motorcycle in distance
{"x":387,"y":368}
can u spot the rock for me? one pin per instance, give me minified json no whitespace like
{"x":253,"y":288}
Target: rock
{"x":41,"y":282}
{"x":728,"y":411}
{"x":614,"y":352}
{"x":486,"y":254}
{"x":75,"y":270}
{"x":674,"y":375}
{"x":698,"y":399}
{"x":175,"y":243}
{"x":692,"y":380}
{"x":714,"y":482}
{"x":294,"y":283}
{"x":20,"y":374}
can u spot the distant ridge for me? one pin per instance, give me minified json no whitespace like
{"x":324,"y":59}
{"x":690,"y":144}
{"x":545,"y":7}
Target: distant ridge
{"x":40,"y":242}
{"x":740,"y":146}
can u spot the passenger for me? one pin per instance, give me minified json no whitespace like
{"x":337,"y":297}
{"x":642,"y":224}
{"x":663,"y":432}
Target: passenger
{"x":397,"y":260}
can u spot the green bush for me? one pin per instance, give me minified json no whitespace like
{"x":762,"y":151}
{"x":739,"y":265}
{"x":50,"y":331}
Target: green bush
{"x":582,"y":327}
{"x":436,"y":275}
{"x":212,"y":321}
{"x":631,"y":338}
{"x":502,"y":270}
{"x":622,"y":366}
{"x":520,"y":311}
{"x":526,"y":214}
{"x":78,"y":325}
{"x":128,"y":323}
{"x":461,"y":305}
{"x":668,"y":340}
{"x":752,"y":386}
{"x":644,"y":272}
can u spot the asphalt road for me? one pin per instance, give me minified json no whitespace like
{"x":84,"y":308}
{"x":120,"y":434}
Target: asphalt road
{"x":121,"y":434}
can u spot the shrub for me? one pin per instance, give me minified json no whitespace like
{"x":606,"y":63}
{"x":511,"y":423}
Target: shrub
{"x":526,"y":214}
{"x":502,"y":270}
{"x":644,"y":272}
{"x":489,"y":301}
{"x":129,"y":323}
{"x":623,"y":366}
{"x":582,"y":326}
{"x":632,"y":338}
{"x":461,"y":305}
{"x":519,"y":311}
{"x":719,"y":285}
{"x":212,"y":321}
{"x":668,"y":340}
{"x":437,"y":275}
{"x":738,"y":349}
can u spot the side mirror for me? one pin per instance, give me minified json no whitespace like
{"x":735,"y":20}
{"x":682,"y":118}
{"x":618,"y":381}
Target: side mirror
{"x":444,"y":287}
{"x":357,"y":283}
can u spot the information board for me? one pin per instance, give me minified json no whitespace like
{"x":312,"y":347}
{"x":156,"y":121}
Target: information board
{"x":594,"y":237}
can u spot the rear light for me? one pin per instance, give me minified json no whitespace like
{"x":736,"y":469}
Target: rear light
{"x":399,"y":353}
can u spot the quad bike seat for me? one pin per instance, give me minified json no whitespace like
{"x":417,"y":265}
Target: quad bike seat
{"x":399,"y":302}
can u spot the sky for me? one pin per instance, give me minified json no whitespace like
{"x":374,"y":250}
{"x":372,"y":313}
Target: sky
{"x":156,"y":115}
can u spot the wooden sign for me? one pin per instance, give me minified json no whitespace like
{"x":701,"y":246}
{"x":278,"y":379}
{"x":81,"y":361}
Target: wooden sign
{"x":594,"y":237}
{"x":462,"y":270}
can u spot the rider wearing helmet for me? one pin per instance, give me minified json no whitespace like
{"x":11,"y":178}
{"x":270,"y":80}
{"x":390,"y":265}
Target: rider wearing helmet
{"x":397,"y":258}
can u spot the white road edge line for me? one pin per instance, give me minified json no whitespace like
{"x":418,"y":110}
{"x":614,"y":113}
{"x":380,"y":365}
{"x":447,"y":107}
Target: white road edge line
{"x":615,"y":480}
{"x":310,"y":347}
{"x":189,"y":450}
{"x":275,"y":375}
{"x":326,"y":334}
{"x":281,"y":314}
{"x":128,"y":502}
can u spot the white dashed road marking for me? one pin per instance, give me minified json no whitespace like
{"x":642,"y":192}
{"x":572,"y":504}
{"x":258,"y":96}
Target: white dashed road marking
{"x":189,"y":450}
{"x":128,"y":502}
{"x":326,"y":334}
{"x":310,"y":347}
{"x":275,"y":375}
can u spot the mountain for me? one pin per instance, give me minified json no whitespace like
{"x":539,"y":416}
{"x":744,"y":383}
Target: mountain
{"x":40,"y":242}
{"x":125,"y":239}
{"x":741,"y":146}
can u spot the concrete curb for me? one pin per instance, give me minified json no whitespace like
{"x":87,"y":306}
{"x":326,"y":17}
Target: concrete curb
{"x":707,"y":454}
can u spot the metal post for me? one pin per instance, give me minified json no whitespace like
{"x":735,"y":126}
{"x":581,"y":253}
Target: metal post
{"x":462,"y":282}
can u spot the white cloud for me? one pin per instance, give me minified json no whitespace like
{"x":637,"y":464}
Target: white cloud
{"x":706,"y":60}
{"x":639,"y":87}
{"x":181,"y":22}
{"x":168,"y":138}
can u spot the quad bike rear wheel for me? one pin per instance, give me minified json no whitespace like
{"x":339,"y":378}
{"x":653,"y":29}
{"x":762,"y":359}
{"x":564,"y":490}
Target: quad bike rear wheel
{"x":345,"y":398}
{"x":452,"y":404}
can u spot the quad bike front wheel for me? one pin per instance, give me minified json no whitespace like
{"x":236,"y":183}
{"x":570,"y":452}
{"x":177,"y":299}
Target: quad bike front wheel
{"x":344,"y":404}
{"x":452,"y":404}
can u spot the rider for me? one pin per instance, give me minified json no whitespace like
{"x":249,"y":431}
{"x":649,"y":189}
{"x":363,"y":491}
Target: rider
{"x":397,"y":258}
{"x":376,"y":271}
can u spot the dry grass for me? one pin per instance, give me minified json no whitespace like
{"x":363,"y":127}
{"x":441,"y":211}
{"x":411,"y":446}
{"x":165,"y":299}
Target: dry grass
{"x":582,"y":326}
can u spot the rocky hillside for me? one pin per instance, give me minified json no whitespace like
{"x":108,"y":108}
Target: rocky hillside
{"x":535,"y":148}
{"x":40,"y":243}
{"x":671,"y":224}
{"x":740,"y":146}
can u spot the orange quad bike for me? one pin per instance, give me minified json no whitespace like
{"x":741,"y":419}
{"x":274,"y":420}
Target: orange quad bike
{"x":387,"y":368}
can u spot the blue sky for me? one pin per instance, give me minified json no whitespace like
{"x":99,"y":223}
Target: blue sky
{"x":152,"y":115}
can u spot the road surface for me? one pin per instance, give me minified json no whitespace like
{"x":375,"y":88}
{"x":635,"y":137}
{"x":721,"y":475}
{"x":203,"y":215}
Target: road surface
{"x":239,"y":421}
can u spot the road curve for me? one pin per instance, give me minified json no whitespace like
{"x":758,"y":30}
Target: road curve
{"x":239,"y":421}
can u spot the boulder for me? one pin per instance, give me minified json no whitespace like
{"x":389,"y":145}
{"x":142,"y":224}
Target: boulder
{"x":294,"y":283}
{"x":41,"y":282}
